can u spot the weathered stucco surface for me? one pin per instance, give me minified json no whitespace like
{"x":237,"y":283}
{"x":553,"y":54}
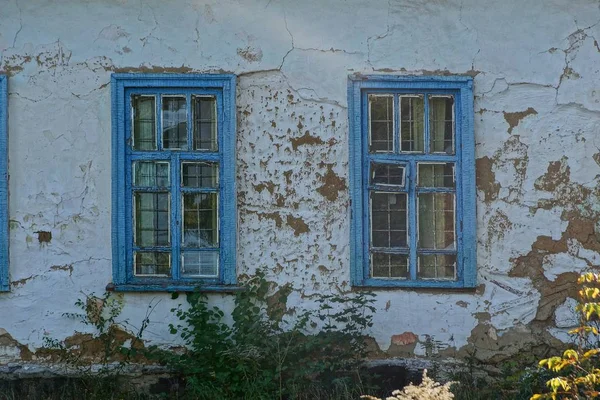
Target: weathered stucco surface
{"x":537,"y":104}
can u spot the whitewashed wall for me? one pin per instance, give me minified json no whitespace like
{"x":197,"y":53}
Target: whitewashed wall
{"x":537,"y":107}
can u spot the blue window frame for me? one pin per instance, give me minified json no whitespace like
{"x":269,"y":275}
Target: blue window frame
{"x":174,"y":204}
{"x":412,"y":172}
{"x":4,"y":283}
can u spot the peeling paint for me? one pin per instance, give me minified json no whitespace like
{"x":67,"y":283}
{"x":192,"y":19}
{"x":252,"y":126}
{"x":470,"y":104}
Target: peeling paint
{"x":297,"y":224}
{"x":558,"y":174}
{"x":404,"y":339}
{"x":332,"y":184}
{"x":44,"y":236}
{"x":67,"y":267}
{"x":306,"y":140}
{"x":537,"y":157}
{"x":513,"y":118}
{"x":486,"y":179}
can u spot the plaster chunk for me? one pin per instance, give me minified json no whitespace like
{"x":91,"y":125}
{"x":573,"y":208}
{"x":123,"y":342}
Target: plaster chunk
{"x":404,"y":339}
{"x":557,"y":264}
{"x":565,"y":315}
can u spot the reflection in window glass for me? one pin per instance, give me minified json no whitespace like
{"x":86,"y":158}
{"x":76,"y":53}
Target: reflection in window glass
{"x":174,"y":122}
{"x":200,"y":263}
{"x":436,"y":175}
{"x":144,"y":122}
{"x":385,"y":265}
{"x":199,"y":175}
{"x":381,"y":123}
{"x":388,"y":220}
{"x":437,"y":266}
{"x":151,"y":219}
{"x":205,"y":123}
{"x":441,"y":124}
{"x":412,"y":110}
{"x":387,"y":174}
{"x":200,"y":216}
{"x":152,"y":263}
{"x":436,"y":221}
{"x":150,"y":173}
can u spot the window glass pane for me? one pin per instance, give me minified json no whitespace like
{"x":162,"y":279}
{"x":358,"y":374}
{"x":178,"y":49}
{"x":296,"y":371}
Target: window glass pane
{"x":437,"y":266}
{"x":441,"y":124}
{"x":389,"y":265}
{"x":436,"y":175}
{"x":200,"y":218}
{"x":144,"y":122}
{"x":149,"y":173}
{"x":412,"y":110}
{"x":381,"y":123}
{"x":388,"y":219}
{"x":199,"y":175}
{"x":200,"y":263}
{"x":152,"y":263}
{"x":151,"y":219}
{"x":387,"y":174}
{"x":174,"y":122}
{"x":436,"y":221}
{"x":205,"y":123}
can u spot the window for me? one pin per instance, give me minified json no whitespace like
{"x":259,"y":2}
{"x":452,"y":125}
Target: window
{"x":412,"y":181}
{"x":174,"y":205}
{"x":4,"y":284}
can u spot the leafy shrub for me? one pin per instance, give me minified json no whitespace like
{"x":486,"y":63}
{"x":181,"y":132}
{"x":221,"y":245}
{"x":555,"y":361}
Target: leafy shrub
{"x":267,"y":357}
{"x":578,"y":370}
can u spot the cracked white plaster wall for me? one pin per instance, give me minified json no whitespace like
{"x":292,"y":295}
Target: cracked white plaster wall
{"x":292,"y":60}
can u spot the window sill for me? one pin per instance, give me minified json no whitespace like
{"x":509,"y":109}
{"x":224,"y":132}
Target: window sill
{"x":172,"y":287}
{"x":378,"y":284}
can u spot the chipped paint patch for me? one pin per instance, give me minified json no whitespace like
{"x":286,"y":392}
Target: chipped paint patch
{"x":332,"y":184}
{"x":44,"y":236}
{"x":486,"y":179}
{"x":297,"y":224}
{"x":66,"y":267}
{"x":404,"y":339}
{"x":513,"y":118}
{"x":306,"y":140}
{"x":558,"y":174}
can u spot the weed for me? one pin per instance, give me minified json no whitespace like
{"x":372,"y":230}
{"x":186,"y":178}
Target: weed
{"x":272,"y":357}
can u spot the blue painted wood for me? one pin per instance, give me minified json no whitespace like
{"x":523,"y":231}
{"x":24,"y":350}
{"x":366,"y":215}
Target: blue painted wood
{"x":427,"y":138}
{"x":461,"y":88}
{"x":190,"y":128}
{"x":222,"y":87}
{"x":396,"y":110}
{"x":469,"y":215}
{"x":412,"y":220}
{"x":159,"y":123}
{"x":4,"y":223}
{"x":227,"y":183}
{"x":365,"y":162}
{"x":176,"y":218}
{"x":405,"y":157}
{"x":175,"y":287}
{"x":355,"y":159}
{"x":408,"y":283}
{"x":166,"y":155}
